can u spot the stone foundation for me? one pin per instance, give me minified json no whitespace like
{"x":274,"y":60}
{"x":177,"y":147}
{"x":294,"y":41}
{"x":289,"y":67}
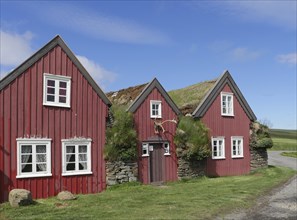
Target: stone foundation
{"x":121,"y":172}
{"x":191,"y":169}
{"x":259,"y":158}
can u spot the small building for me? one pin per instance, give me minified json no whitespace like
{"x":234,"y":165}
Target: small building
{"x":221,"y":106}
{"x":52,"y":126}
{"x":155,"y":117}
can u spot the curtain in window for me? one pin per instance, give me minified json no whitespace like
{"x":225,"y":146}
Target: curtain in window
{"x":41,"y":157}
{"x":26,"y":152}
{"x":82,"y":157}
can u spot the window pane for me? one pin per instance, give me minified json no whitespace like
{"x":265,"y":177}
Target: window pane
{"x":40,"y":167}
{"x":62,"y":99}
{"x":51,"y":83}
{"x":50,"y":90}
{"x":40,"y":158}
{"x":62,"y":92}
{"x":70,"y":157}
{"x":63,"y":84}
{"x":82,"y":157}
{"x":26,"y":158}
{"x":83,"y":166}
{"x":70,"y":166}
{"x":50,"y":98}
{"x":82,"y":149}
{"x":27,"y":168}
{"x":40,"y":149}
{"x":70,"y":149}
{"x":26,"y":149}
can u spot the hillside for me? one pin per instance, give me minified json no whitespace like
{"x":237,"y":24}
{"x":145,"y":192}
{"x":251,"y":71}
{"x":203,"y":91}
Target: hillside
{"x":284,"y":139}
{"x":282,"y":133}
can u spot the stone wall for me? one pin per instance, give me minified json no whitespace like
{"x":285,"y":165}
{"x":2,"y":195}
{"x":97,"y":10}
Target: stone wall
{"x":121,"y":172}
{"x":259,"y":158}
{"x":191,"y":169}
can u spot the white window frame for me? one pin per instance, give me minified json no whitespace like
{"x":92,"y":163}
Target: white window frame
{"x":76,"y":143}
{"x":229,"y":110}
{"x":238,"y":147}
{"x":159,"y":103}
{"x":57,"y":79}
{"x":145,"y":147}
{"x":34,"y":142}
{"x":166,"y":149}
{"x":217,"y":139}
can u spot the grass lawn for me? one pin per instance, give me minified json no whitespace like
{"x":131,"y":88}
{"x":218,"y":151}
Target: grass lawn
{"x":194,"y":199}
{"x":289,"y":154}
{"x":284,"y":144}
{"x":284,"y":139}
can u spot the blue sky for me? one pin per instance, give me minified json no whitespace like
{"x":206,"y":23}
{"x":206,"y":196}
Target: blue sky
{"x":125,"y":43}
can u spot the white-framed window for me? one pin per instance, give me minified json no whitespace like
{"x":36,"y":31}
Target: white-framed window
{"x":56,"y":90}
{"x":145,"y":150}
{"x":76,"y":156}
{"x":166,"y":148}
{"x":218,"y":147}
{"x":156,"y":109}
{"x":33,"y":157}
{"x":227,"y":104}
{"x":237,"y":147}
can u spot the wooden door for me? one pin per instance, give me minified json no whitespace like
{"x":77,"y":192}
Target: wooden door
{"x":156,"y":163}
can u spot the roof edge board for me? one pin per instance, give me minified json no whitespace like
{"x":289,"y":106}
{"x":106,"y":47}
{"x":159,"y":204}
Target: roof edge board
{"x":225,"y":78}
{"x":146,"y":91}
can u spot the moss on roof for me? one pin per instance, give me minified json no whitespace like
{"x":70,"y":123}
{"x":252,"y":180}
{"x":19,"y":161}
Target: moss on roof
{"x":188,"y":98}
{"x":125,"y":97}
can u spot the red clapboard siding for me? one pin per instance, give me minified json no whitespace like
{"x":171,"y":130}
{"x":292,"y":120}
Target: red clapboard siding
{"x":227,"y":127}
{"x":22,"y":114}
{"x":145,"y":129}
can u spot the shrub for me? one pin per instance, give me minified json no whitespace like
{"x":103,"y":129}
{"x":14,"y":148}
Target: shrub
{"x":192,"y":139}
{"x":121,"y":138}
{"x":260,"y":137}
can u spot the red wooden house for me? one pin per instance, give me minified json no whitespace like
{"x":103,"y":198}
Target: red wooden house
{"x":155,"y":117}
{"x":227,"y":114}
{"x":52,"y":126}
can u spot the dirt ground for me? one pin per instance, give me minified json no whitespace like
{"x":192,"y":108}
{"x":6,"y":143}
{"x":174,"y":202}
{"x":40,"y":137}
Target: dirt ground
{"x":281,"y":203}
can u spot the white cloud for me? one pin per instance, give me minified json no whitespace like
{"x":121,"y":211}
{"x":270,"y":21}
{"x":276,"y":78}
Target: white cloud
{"x":244,"y":54}
{"x":99,"y":74}
{"x":102,"y":26}
{"x":14,"y":48}
{"x":290,"y":58}
{"x":282,"y":13}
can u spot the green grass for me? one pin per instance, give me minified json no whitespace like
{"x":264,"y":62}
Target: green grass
{"x":194,"y":199}
{"x":282,"y":133}
{"x":289,"y":154}
{"x":284,"y":139}
{"x":192,"y":94}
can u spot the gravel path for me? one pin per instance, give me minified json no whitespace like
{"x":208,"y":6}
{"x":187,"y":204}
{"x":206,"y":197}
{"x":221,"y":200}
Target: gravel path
{"x":281,"y":203}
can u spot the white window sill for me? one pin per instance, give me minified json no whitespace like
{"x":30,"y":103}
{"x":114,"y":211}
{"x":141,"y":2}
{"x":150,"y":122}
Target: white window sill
{"x":56,"y":105}
{"x":33,"y":175}
{"x":237,"y":156}
{"x":228,"y":115}
{"x":76,"y":173}
{"x":145,"y":155}
{"x":167,"y":154}
{"x":218,"y":158}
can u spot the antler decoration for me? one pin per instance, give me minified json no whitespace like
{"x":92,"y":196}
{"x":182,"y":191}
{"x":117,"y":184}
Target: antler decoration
{"x":159,"y":125}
